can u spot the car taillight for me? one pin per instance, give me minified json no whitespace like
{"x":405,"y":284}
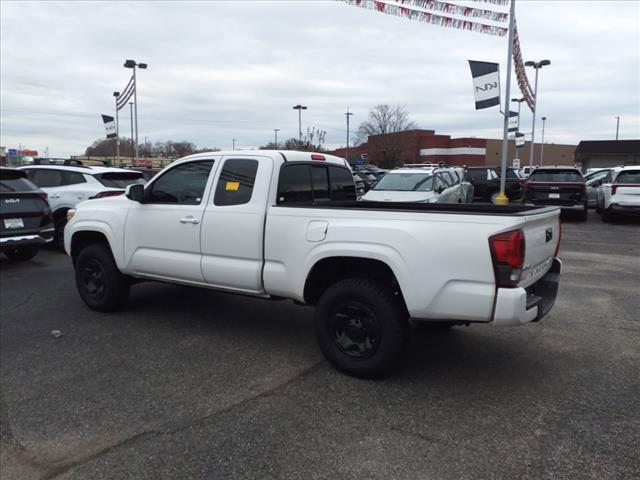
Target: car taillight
{"x":559,"y":237}
{"x":507,"y":254}
{"x":316,"y":156}
{"x":107,"y":193}
{"x":43,"y":195}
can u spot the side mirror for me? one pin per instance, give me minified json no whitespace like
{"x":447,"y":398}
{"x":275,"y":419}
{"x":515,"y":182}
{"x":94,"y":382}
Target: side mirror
{"x":135,"y":192}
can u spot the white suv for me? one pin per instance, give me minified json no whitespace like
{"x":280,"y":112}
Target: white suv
{"x":418,"y":183}
{"x":69,"y":185}
{"x":619,"y":193}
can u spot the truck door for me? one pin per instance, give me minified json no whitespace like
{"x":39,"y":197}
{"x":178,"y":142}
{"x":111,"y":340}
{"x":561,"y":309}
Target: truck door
{"x":162,"y":234}
{"x":233,"y":224}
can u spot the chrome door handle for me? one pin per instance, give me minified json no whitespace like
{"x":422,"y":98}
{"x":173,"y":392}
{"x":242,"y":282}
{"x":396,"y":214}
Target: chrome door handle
{"x":54,"y":195}
{"x":193,"y":220}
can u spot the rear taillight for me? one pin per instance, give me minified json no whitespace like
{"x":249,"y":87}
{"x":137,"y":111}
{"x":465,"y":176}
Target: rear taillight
{"x":43,"y":195}
{"x":316,"y":156}
{"x":507,"y":254}
{"x":559,"y":237}
{"x":107,"y":193}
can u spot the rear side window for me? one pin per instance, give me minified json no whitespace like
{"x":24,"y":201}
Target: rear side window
{"x":558,"y":175}
{"x":310,"y":183}
{"x":120,"y":179}
{"x":46,"y":178}
{"x":342,"y":187}
{"x":71,"y":178}
{"x":235,"y":185}
{"x":630,"y":176}
{"x":479,"y":175}
{"x":15,"y":181}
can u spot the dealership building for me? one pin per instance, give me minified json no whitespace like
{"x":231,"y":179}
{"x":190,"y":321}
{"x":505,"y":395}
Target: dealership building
{"x":425,"y":146}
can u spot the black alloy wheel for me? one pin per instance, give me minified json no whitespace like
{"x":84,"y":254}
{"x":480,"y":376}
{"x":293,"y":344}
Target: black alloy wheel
{"x":93,"y":278}
{"x":355,"y":330}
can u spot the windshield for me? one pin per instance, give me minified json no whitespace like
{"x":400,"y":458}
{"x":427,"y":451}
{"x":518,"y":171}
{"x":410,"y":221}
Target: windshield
{"x":120,"y":179}
{"x":630,"y":176}
{"x":556,"y":176}
{"x":406,"y":182}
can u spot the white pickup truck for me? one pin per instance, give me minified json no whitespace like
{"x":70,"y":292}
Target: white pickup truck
{"x":282,"y":224}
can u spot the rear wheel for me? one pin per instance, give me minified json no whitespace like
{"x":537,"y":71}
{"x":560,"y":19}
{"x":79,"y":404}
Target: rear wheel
{"x":98,"y":280}
{"x":58,"y":234}
{"x":22,"y":254}
{"x":361,"y":327}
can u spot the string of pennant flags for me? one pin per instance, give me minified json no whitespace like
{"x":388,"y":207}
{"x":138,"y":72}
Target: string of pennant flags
{"x":126,"y":94}
{"x":422,"y":10}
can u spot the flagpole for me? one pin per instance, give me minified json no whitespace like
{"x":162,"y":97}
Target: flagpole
{"x":116,"y":95}
{"x":502,"y":199}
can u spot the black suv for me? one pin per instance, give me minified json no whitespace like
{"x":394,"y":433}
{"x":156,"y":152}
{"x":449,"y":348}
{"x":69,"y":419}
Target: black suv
{"x":561,"y":186}
{"x":25,"y":216}
{"x":486,"y":183}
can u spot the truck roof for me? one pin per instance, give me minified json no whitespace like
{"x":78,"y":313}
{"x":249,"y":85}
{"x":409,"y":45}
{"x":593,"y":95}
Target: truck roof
{"x":285,"y":155}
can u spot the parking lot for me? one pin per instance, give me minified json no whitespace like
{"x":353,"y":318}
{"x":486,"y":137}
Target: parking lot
{"x":188,"y":383}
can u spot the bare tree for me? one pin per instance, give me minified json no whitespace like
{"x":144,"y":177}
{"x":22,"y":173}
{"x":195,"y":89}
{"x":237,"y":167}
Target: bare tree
{"x":383,"y":120}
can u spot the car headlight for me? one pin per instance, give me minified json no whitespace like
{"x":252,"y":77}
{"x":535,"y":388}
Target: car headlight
{"x":70,"y":214}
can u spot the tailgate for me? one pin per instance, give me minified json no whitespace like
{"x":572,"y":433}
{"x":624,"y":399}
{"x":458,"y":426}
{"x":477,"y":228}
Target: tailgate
{"x":555,"y":193}
{"x":627,"y":194}
{"x":542,"y":235}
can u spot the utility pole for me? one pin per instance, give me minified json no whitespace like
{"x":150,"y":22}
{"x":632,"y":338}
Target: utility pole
{"x":133,"y":150}
{"x":348,"y":114}
{"x":537,"y":66}
{"x":617,"y":126}
{"x":502,"y":198}
{"x":116,"y":95}
{"x":542,"y":145}
{"x":276,"y":130}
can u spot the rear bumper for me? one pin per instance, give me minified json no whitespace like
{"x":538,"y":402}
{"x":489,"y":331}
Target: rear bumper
{"x":515,"y":306}
{"x":44,"y":236}
{"x":621,"y":208}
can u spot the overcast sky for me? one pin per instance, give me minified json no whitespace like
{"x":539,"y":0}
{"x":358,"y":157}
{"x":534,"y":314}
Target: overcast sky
{"x":223,"y":70}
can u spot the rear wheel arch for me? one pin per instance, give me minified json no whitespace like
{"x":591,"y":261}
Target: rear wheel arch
{"x":331,"y":270}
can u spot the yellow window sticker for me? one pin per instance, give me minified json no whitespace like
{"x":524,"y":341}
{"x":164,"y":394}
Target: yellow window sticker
{"x":233,"y":186}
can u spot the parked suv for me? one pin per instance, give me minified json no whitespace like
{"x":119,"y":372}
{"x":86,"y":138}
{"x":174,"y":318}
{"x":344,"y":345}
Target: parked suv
{"x":619,"y":193}
{"x":69,"y":185}
{"x":25,"y":216}
{"x":563,"y":186}
{"x":486,"y":183}
{"x":417,"y":183}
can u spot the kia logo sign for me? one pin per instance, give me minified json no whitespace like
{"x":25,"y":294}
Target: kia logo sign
{"x":12,"y":200}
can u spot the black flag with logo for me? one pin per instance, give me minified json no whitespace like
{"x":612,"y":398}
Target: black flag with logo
{"x":486,"y":83}
{"x":109,"y":126}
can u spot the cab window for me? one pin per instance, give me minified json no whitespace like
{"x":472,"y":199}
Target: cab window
{"x":235,"y":185}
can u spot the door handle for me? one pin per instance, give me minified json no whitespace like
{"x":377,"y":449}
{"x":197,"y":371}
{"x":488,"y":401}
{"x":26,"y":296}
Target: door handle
{"x":54,"y":195}
{"x":189,"y":219}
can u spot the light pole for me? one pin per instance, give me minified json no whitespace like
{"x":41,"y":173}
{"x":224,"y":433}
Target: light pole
{"x":133,"y":151}
{"x":519,"y":100}
{"x":276,"y":130}
{"x":233,"y":144}
{"x":617,"y":126}
{"x":116,"y":95}
{"x":537,"y":66}
{"x":132,"y":64}
{"x":542,"y":145}
{"x":348,"y":114}
{"x":300,"y":108}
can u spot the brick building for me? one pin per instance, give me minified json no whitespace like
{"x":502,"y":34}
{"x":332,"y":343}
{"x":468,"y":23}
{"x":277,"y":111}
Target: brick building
{"x":425,"y":146}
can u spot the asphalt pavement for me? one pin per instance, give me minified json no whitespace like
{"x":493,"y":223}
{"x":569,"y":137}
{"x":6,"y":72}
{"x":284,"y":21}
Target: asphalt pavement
{"x":188,"y":383}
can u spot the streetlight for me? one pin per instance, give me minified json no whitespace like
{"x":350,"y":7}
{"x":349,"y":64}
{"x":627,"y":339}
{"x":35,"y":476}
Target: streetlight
{"x":276,"y":130}
{"x":519,"y":100}
{"x":537,"y":66}
{"x":132,"y":64}
{"x":300,"y":108}
{"x":348,"y":114}
{"x":116,"y":95}
{"x":133,"y":162}
{"x":542,"y":146}
{"x":617,"y":126}
{"x":233,"y":144}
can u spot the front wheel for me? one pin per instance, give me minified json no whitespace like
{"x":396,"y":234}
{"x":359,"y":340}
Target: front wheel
{"x":22,"y":254}
{"x":98,"y":280}
{"x":58,"y":233}
{"x":361,"y":327}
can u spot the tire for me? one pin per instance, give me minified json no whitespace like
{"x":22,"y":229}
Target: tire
{"x":58,"y":234}
{"x":377,"y":325}
{"x":98,"y":280}
{"x":582,"y":216}
{"x":606,"y":216}
{"x":493,"y":197}
{"x":22,"y":254}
